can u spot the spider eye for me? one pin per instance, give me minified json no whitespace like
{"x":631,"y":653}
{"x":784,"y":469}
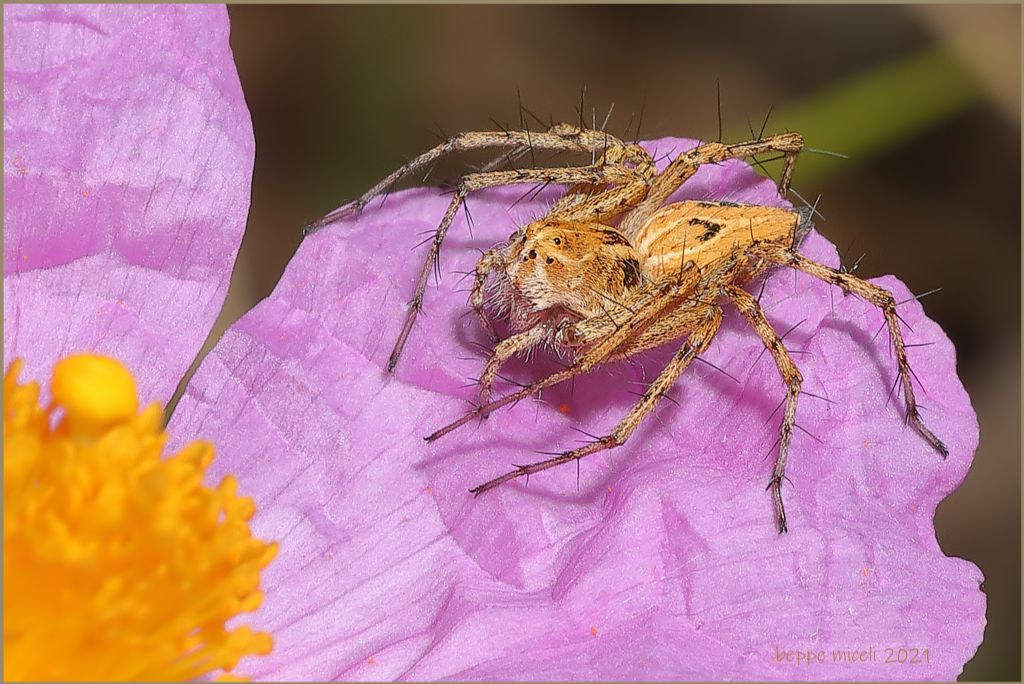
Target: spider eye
{"x":550,"y":260}
{"x":533,"y":254}
{"x":558,"y":241}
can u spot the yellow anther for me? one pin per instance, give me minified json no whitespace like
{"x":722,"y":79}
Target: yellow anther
{"x":96,"y":392}
{"x":119,"y":563}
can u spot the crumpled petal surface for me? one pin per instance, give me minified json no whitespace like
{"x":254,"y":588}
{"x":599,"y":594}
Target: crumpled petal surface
{"x":128,"y":154}
{"x":663,"y":562}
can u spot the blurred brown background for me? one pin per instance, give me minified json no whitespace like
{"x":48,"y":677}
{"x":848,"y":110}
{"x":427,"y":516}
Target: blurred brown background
{"x":924,"y":99}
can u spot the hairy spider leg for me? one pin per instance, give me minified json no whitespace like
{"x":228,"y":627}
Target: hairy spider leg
{"x":504,"y":351}
{"x":668,"y":295}
{"x":479,"y":181}
{"x":566,"y":138}
{"x":613,"y":149}
{"x":751,"y":310}
{"x":686,"y":164}
{"x":675,"y":323}
{"x":873,"y":294}
{"x":490,"y":260}
{"x":696,"y":344}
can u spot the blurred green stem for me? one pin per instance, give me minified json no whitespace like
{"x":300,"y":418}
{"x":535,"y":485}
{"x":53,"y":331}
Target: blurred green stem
{"x":876,"y":110}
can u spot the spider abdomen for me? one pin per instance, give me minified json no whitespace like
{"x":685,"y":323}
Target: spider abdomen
{"x":706,"y":232}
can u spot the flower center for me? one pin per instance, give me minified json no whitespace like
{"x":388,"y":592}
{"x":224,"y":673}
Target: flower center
{"x":118,"y":564}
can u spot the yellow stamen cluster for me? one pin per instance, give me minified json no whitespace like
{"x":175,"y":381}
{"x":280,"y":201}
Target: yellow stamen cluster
{"x":118,"y":564}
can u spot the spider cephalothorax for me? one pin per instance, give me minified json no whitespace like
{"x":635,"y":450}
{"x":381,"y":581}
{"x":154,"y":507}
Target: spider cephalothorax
{"x":561,"y":271}
{"x":612,"y":271}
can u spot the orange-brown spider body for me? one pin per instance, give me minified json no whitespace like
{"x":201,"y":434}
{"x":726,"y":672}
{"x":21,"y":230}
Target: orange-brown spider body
{"x":611,"y":271}
{"x":706,"y":232}
{"x":562,"y":272}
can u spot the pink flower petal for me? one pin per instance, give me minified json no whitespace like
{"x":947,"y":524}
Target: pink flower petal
{"x":663,"y":562}
{"x":128,"y":154}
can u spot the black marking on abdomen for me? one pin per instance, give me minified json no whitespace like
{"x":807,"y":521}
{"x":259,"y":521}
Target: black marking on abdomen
{"x":711,"y":231}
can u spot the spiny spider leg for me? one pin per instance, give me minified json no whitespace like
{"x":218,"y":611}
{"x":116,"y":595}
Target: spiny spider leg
{"x":480,"y":181}
{"x":873,"y":294}
{"x":686,"y":164}
{"x":566,"y":138}
{"x":603,"y":205}
{"x":752,"y":311}
{"x":696,"y":344}
{"x":504,"y":351}
{"x":590,"y":203}
{"x":490,"y":260}
{"x":613,"y":148}
{"x":667,"y":295}
{"x":588,"y":331}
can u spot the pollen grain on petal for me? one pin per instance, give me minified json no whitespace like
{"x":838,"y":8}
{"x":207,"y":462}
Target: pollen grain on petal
{"x":119,"y":563}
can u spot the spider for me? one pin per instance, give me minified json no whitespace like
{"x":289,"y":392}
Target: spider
{"x":611,"y":271}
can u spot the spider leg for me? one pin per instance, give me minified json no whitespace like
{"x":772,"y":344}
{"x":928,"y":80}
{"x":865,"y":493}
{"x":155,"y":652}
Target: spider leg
{"x":686,"y":164}
{"x":696,"y":344}
{"x":601,"y":204}
{"x":614,"y":150}
{"x":480,"y":181}
{"x":587,"y":202}
{"x":666,"y":296}
{"x":562,"y":139}
{"x":488,"y":262}
{"x":668,"y":327}
{"x":881,"y":298}
{"x":752,"y":311}
{"x":504,"y":351}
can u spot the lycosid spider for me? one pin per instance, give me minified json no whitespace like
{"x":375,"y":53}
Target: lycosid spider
{"x":611,"y":271}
